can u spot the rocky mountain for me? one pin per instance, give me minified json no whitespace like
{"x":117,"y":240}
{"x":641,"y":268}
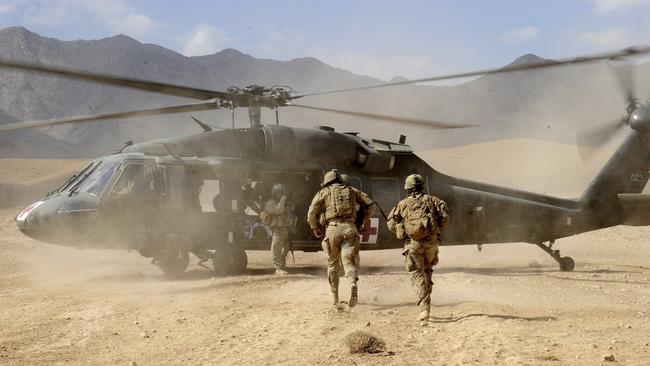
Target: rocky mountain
{"x":548,"y":104}
{"x":32,"y":143}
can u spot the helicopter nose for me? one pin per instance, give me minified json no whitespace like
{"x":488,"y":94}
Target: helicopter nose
{"x":28,"y":219}
{"x":36,"y":220}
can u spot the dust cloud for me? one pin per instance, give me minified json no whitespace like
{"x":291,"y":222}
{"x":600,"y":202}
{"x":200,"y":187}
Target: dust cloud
{"x":506,"y":304}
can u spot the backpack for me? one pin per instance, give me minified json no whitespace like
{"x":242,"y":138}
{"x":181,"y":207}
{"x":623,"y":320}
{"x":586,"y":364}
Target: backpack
{"x":341,"y":203}
{"x":420,"y":219}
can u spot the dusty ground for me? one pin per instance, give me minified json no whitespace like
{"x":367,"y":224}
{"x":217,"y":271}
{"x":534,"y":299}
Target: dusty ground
{"x":508,"y":304}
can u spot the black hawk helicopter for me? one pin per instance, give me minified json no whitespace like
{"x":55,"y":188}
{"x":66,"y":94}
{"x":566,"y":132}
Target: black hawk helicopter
{"x":202,"y":193}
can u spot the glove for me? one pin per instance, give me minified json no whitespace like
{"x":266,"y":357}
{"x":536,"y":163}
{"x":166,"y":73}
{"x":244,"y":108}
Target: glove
{"x":317,"y":232}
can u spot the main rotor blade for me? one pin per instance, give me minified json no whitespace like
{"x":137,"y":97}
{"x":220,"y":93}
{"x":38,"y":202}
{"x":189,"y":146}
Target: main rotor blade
{"x":542,"y":65}
{"x":151,"y":86}
{"x":590,"y":141}
{"x":194,"y":107}
{"x":412,"y":121}
{"x":625,"y":75}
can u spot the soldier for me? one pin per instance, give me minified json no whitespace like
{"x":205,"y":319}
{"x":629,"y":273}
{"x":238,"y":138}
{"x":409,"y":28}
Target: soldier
{"x":341,"y":243}
{"x":418,"y":219}
{"x":279,"y":215}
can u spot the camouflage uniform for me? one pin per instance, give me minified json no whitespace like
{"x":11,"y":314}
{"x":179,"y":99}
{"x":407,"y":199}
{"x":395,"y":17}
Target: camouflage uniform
{"x":281,"y":220}
{"x":422,"y":254}
{"x":338,"y":203}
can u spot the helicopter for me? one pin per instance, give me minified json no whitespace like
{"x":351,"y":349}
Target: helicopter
{"x":202,"y":194}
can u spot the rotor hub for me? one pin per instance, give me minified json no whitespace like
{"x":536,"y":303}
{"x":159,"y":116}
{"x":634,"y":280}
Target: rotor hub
{"x":257,"y":95}
{"x":639,"y":118}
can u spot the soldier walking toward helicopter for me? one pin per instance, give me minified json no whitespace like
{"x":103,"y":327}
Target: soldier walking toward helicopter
{"x":419,"y":219}
{"x":341,"y":243}
{"x":279,"y":215}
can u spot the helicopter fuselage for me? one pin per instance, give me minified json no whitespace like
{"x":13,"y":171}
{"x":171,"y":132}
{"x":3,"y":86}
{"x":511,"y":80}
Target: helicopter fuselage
{"x":208,"y":189}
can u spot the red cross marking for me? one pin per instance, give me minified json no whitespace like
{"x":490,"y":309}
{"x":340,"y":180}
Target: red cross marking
{"x":367,"y":230}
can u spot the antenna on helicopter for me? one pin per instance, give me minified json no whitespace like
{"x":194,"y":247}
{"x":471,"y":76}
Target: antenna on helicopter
{"x":232,"y":115}
{"x":204,"y":126}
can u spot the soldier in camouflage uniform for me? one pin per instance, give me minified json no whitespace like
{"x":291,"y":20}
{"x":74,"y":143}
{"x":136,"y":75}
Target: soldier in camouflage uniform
{"x":341,"y":243}
{"x":281,"y":219}
{"x":418,"y":219}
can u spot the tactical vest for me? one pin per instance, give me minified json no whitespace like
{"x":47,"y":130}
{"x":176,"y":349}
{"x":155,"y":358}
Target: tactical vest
{"x":286,"y":219}
{"x":419,"y":217}
{"x":340,"y":204}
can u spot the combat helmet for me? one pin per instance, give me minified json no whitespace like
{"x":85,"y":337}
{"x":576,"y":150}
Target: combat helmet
{"x":331,"y":177}
{"x":413,"y":181}
{"x":278,"y":190}
{"x":345,"y":179}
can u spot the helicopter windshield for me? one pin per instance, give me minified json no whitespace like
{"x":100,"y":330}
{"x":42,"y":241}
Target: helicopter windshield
{"x":99,"y":177}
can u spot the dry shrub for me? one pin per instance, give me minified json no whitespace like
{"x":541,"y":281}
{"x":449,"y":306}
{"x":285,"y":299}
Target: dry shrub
{"x":364,"y":342}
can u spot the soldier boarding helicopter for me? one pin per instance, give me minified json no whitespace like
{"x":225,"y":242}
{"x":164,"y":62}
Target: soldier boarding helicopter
{"x":202,"y":193}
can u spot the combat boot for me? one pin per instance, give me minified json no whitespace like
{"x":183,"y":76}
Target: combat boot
{"x":424,"y":312}
{"x":281,"y":272}
{"x":335,"y":297}
{"x":353,"y":296}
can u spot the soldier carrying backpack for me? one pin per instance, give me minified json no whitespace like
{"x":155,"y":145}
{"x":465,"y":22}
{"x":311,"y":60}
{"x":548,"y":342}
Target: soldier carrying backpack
{"x":337,"y":204}
{"x":418,"y":219}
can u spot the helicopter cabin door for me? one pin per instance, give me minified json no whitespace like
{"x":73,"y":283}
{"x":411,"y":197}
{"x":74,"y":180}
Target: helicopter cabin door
{"x":130,"y":202}
{"x":385,"y":192}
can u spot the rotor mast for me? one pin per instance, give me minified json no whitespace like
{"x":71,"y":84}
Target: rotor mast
{"x":254,"y":97}
{"x":255,"y":115}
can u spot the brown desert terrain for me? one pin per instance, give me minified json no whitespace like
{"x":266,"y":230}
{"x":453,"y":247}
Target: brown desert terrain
{"x":506,"y":305}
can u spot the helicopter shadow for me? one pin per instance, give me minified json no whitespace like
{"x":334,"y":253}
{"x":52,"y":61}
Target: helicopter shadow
{"x":456,"y":319}
{"x":317,"y":271}
{"x":296,"y":272}
{"x":543,"y":272}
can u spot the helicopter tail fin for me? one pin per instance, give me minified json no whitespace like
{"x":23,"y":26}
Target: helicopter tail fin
{"x":626,"y":172}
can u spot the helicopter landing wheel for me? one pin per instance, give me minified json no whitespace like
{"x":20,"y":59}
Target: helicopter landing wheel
{"x":173,"y":262}
{"x":174,"y":256}
{"x":566,"y":264}
{"x":229,"y":260}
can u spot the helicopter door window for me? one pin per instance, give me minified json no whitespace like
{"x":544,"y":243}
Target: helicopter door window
{"x":210,"y":195}
{"x":136,"y":181}
{"x":386,"y":192}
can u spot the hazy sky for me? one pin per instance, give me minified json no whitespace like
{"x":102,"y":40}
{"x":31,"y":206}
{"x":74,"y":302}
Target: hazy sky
{"x":377,"y":38}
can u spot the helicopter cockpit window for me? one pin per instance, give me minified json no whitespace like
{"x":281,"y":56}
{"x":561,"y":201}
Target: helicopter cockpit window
{"x":136,"y":181}
{"x":99,"y":178}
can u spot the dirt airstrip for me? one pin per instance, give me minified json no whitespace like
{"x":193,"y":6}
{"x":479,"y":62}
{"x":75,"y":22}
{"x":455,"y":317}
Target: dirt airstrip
{"x":508,"y":304}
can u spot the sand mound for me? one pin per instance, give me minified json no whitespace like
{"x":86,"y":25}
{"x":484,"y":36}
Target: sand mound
{"x":364,"y":342}
{"x":24,"y":180}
